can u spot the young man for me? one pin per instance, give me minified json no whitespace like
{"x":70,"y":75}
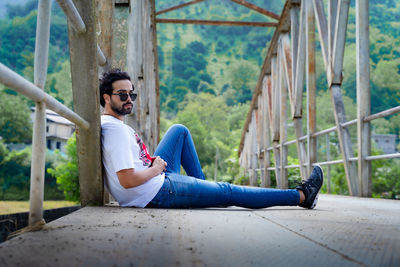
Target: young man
{"x":135,"y":179}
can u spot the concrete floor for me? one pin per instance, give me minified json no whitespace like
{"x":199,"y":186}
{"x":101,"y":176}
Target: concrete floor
{"x":341,"y":231}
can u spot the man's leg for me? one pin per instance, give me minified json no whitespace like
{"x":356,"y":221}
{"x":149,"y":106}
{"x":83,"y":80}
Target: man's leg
{"x":188,"y":192}
{"x":177,"y":148}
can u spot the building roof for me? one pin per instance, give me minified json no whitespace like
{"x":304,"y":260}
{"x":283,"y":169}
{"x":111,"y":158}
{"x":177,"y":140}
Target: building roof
{"x":54,"y":117}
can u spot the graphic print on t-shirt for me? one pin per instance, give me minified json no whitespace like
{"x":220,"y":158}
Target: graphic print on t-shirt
{"x":143,"y":154}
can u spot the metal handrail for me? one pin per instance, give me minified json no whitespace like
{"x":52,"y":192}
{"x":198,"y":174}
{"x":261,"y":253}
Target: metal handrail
{"x":21,"y":85}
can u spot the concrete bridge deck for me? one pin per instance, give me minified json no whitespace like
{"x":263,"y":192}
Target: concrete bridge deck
{"x":341,"y":231}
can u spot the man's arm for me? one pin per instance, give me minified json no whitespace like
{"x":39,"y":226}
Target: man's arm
{"x":129,"y":178}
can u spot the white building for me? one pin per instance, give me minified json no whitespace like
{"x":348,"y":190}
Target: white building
{"x":58,"y":130}
{"x":385,"y":142}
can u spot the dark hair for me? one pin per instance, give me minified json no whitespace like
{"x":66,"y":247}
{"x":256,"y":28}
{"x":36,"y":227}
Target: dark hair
{"x":107,"y":79}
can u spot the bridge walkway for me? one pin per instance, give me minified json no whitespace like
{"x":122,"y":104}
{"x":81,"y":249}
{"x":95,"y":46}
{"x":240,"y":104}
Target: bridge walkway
{"x":341,"y":231}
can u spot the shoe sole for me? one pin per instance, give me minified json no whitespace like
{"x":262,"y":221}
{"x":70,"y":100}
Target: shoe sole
{"x":316,"y":198}
{"x":315,"y":202}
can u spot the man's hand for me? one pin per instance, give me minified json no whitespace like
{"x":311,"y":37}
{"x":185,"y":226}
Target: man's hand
{"x":159,"y":164}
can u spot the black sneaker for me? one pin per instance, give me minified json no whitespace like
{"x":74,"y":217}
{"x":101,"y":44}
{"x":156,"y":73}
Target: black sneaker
{"x":311,"y":188}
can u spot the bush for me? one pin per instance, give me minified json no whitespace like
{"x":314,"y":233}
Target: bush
{"x":66,"y":171}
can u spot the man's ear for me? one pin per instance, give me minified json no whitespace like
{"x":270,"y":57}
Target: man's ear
{"x":107,"y":98}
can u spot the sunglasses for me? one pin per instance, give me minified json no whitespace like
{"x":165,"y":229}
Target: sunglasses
{"x":124,"y":96}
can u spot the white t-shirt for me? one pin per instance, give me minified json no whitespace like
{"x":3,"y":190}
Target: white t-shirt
{"x":121,"y":151}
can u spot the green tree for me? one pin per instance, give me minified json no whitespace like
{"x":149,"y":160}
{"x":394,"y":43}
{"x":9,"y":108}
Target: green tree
{"x":15,"y":122}
{"x":66,"y":171}
{"x":243,"y":77}
{"x":15,"y":173}
{"x":59,"y":84}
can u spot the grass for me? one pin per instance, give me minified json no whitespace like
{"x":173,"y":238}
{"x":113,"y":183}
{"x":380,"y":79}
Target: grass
{"x":8,"y":207}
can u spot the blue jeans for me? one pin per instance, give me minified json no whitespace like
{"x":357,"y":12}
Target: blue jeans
{"x":193,"y":191}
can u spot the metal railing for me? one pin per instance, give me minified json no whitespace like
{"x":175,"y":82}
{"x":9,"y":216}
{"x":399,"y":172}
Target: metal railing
{"x":43,"y":100}
{"x":372,"y":117}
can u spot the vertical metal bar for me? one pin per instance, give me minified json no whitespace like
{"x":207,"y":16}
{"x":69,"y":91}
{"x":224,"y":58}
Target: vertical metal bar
{"x":294,"y":32}
{"x":339,"y":41}
{"x":275,"y":99}
{"x":311,"y":88}
{"x":332,"y":10}
{"x":85,"y":90}
{"x":260,"y":136}
{"x":287,"y":67}
{"x":276,"y":115}
{"x":363,"y":97}
{"x":328,"y":158}
{"x":344,"y":140}
{"x":267,"y":135}
{"x":283,"y":119}
{"x":298,"y":125}
{"x":338,"y":105}
{"x":253,"y":133}
{"x":300,"y":64}
{"x":39,"y":130}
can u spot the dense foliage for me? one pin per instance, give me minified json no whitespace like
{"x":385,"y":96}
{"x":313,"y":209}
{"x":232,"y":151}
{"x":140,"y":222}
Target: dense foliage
{"x":207,"y":76}
{"x":15,"y":168}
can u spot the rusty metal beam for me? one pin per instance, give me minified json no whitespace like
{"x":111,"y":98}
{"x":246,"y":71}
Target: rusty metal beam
{"x":218,"y":22}
{"x":178,"y":7}
{"x":257,"y":8}
{"x":311,"y":87}
{"x":283,"y":121}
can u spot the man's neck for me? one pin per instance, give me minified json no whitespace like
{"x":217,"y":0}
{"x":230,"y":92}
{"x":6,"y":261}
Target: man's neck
{"x":112,"y":113}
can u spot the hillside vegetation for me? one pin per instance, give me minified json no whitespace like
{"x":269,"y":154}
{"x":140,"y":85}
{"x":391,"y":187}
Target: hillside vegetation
{"x":207,"y":76}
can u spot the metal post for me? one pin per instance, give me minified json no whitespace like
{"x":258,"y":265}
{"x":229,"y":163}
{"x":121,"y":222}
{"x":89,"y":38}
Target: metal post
{"x":300,"y":62}
{"x":297,"y":121}
{"x":260,"y":137}
{"x":39,"y":129}
{"x":337,"y":100}
{"x":277,"y":157}
{"x":267,"y":135}
{"x":311,"y":87}
{"x":283,"y":121}
{"x":332,"y":11}
{"x":253,"y":150}
{"x":328,"y":158}
{"x":363,"y":97}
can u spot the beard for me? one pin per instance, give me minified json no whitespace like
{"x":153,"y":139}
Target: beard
{"x":124,"y":110}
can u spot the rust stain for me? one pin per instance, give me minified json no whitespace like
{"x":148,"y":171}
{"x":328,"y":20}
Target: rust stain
{"x":288,"y":62}
{"x":269,"y":97}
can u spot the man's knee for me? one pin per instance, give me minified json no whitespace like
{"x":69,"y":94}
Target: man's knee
{"x":180,"y":128}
